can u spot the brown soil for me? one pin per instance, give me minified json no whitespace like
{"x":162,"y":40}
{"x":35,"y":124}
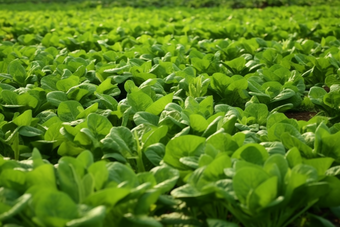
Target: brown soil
{"x":305,"y":116}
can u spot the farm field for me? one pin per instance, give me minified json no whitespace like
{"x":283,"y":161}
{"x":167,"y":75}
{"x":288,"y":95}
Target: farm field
{"x":168,"y":117}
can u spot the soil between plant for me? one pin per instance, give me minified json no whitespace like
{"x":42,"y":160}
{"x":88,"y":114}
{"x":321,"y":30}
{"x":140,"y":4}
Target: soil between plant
{"x":305,"y":116}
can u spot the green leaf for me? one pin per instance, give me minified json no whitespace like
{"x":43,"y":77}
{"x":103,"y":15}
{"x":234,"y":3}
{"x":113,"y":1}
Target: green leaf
{"x":267,"y":191}
{"x":56,"y":97}
{"x":93,"y":217}
{"x":23,"y":119}
{"x":139,"y":221}
{"x":236,"y":65}
{"x":140,"y":101}
{"x":166,"y":178}
{"x":107,"y":102}
{"x":104,"y":197}
{"x":277,"y":130}
{"x":65,"y":84}
{"x":332,"y":198}
{"x":122,"y":174}
{"x":145,"y":118}
{"x":13,"y":179}
{"x":158,"y":106}
{"x":198,"y":122}
{"x":17,"y":71}
{"x":293,"y":157}
{"x":320,"y":164}
{"x":98,"y":124}
{"x":253,"y":153}
{"x":155,"y":153}
{"x":69,"y":110}
{"x":277,"y":165}
{"x":70,"y":172}
{"x":183,"y":146}
{"x":91,"y":109}
{"x":258,"y":111}
{"x":223,"y":142}
{"x":43,"y":175}
{"x":55,"y":208}
{"x":146,"y":201}
{"x":155,"y":135}
{"x":220,"y":223}
{"x":100,"y":173}
{"x":290,"y":142}
{"x":85,"y":158}
{"x":246,"y":180}
{"x":9,"y":210}
{"x":30,"y":131}
{"x":316,"y":95}
{"x":120,"y":140}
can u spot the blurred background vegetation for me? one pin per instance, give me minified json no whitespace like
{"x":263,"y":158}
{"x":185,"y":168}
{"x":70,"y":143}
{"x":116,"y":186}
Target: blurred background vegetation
{"x":186,"y":3}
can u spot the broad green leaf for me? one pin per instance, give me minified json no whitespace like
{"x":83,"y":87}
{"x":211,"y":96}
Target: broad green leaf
{"x":120,"y":140}
{"x":183,"y":146}
{"x":13,"y":179}
{"x":140,"y":101}
{"x":43,"y":175}
{"x":17,"y":71}
{"x":215,"y":170}
{"x":155,"y":153}
{"x":198,"y":122}
{"x":91,"y":109}
{"x":206,"y":106}
{"x":280,"y":162}
{"x":65,"y":84}
{"x":70,"y":148}
{"x":146,"y":201}
{"x":100,"y":173}
{"x":253,"y":153}
{"x":85,"y":158}
{"x":9,"y":210}
{"x":258,"y":111}
{"x":93,"y":217}
{"x":139,"y":221}
{"x":70,"y":172}
{"x":27,"y":100}
{"x":9,"y":97}
{"x":220,"y":223}
{"x":277,"y":130}
{"x":267,"y":191}
{"x":246,"y":180}
{"x":316,"y":95}
{"x":69,"y":110}
{"x":23,"y":119}
{"x":236,"y":65}
{"x":158,"y":106}
{"x":223,"y":142}
{"x":30,"y":131}
{"x":320,"y":164}
{"x":293,"y":157}
{"x":291,"y":141}
{"x":54,"y":208}
{"x":105,"y":197}
{"x":154,"y":136}
{"x":122,"y":174}
{"x":107,"y":102}
{"x":166,"y":178}
{"x":98,"y":124}
{"x":145,"y":118}
{"x":332,"y":198}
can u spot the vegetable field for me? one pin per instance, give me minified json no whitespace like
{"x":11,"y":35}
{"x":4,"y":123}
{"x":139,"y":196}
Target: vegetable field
{"x":170,"y":117}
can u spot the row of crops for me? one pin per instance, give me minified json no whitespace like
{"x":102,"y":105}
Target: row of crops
{"x":159,"y":117}
{"x":185,"y":3}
